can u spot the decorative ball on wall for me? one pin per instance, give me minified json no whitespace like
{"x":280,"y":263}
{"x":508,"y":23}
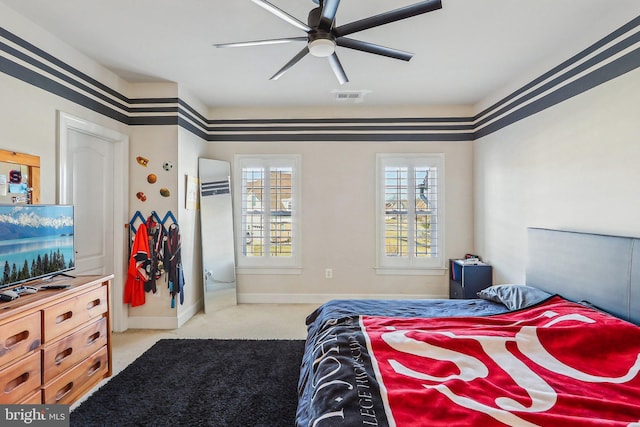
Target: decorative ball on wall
{"x":141,"y":196}
{"x":167,"y":166}
{"x":142,"y":161}
{"x":164,"y":192}
{"x":152,"y":178}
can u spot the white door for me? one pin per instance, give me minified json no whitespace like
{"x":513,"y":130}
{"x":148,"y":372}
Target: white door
{"x":90,"y":190}
{"x":93,"y":176}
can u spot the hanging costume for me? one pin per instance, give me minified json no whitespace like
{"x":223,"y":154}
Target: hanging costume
{"x":155,"y":231}
{"x":173,"y":264}
{"x":137,"y":274}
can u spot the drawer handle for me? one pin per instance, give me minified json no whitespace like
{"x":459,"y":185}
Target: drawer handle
{"x":93,"y":304}
{"x":64,"y":391}
{"x":64,"y":317}
{"x":94,"y":368}
{"x":16,"y":382}
{"x":16,"y":339}
{"x":63,"y":355}
{"x":93,"y":338}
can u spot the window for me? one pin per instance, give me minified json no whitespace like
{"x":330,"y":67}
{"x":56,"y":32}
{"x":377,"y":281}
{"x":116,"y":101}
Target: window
{"x":410,"y":212}
{"x":267,"y":211}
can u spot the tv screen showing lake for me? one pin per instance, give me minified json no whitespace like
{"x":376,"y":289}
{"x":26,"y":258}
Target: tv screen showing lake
{"x":35,"y":241}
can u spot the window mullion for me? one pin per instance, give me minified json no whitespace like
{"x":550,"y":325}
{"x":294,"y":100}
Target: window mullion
{"x":272,"y":180}
{"x":266,"y":225}
{"x":411,"y":213}
{"x":419,"y":240}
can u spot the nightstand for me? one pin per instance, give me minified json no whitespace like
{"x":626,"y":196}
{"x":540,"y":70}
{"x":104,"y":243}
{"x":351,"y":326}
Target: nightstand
{"x":466,"y":278}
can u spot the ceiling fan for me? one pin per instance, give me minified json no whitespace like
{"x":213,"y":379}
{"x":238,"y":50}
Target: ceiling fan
{"x":323,"y":35}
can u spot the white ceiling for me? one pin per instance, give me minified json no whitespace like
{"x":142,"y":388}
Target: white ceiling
{"x":464,"y":52}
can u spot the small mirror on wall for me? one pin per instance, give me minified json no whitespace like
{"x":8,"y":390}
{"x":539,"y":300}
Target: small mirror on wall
{"x":19,"y":178}
{"x":218,"y":249}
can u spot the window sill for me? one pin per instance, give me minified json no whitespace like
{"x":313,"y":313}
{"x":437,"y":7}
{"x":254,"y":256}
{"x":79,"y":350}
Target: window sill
{"x":399,"y":271}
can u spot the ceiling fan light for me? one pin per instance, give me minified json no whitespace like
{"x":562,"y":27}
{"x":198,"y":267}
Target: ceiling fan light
{"x":322,"y":47}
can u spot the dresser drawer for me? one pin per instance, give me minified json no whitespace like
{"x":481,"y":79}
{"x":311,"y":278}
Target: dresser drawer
{"x":66,"y":315}
{"x":21,"y":379}
{"x":69,"y":386}
{"x":19,"y":337}
{"x":60,"y":355}
{"x":34,"y":399}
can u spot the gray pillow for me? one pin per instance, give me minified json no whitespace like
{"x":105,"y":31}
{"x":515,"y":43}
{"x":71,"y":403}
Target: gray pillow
{"x":514,"y":297}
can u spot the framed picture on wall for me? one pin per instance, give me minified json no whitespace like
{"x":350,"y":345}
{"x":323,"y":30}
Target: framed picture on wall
{"x":191,"y":198}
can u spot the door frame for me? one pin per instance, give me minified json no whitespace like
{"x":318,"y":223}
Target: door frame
{"x":66,"y":123}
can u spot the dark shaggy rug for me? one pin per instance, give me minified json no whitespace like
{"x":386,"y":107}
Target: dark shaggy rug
{"x":193,"y":382}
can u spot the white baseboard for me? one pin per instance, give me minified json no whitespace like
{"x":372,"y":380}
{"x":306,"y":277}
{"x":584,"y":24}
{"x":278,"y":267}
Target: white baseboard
{"x":155,"y":322}
{"x":257,"y":298}
{"x":187,"y":313}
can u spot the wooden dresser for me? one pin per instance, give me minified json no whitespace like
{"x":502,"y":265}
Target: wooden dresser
{"x":55,"y":345}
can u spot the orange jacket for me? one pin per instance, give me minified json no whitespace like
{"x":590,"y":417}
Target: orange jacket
{"x":137,"y":274}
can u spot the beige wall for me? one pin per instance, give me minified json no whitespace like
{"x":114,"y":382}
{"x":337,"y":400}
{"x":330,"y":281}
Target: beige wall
{"x":28,"y":124}
{"x":574,"y":167}
{"x":157,"y":144}
{"x":190,"y":148}
{"x":338,"y":220}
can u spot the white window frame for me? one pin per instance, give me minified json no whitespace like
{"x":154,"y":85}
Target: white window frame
{"x":267,"y":264}
{"x":410,"y":264}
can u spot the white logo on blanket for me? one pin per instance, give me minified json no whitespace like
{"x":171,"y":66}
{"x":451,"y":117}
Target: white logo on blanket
{"x":542,"y":395}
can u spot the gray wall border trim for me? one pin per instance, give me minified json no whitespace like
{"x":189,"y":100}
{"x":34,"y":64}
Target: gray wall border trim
{"x":90,"y":93}
{"x":620,"y":66}
{"x":564,"y":65}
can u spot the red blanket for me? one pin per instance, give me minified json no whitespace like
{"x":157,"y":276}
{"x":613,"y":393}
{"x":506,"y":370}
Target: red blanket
{"x":557,"y":364}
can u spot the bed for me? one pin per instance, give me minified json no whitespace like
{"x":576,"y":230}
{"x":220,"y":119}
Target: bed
{"x":563,"y":349}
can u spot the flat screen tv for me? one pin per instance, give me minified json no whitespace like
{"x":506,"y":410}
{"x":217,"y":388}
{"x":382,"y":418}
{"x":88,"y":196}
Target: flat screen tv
{"x":35,"y":241}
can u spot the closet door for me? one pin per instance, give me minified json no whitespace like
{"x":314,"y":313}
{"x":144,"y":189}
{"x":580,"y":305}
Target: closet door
{"x":90,"y":189}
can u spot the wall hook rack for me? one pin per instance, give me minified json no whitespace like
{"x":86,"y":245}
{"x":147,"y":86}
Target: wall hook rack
{"x":167,"y":221}
{"x":138,"y":219}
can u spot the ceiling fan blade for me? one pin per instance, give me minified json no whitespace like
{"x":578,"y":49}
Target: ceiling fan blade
{"x":282,"y":15}
{"x":388,"y":17}
{"x":263,"y":42}
{"x":337,"y":69}
{"x":373,"y":48}
{"x":291,"y":63}
{"x":329,"y":9}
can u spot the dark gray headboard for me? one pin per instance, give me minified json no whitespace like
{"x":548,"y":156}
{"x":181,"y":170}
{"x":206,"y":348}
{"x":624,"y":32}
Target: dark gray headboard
{"x":604,"y":270}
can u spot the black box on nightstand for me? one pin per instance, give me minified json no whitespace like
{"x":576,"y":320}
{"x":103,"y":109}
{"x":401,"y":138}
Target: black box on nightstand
{"x":467,"y":277}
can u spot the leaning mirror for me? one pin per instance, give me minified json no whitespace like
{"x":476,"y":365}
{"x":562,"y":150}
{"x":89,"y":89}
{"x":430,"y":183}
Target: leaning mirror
{"x":216,"y":218}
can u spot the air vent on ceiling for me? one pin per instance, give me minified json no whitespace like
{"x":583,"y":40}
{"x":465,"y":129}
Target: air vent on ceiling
{"x":355,"y":96}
